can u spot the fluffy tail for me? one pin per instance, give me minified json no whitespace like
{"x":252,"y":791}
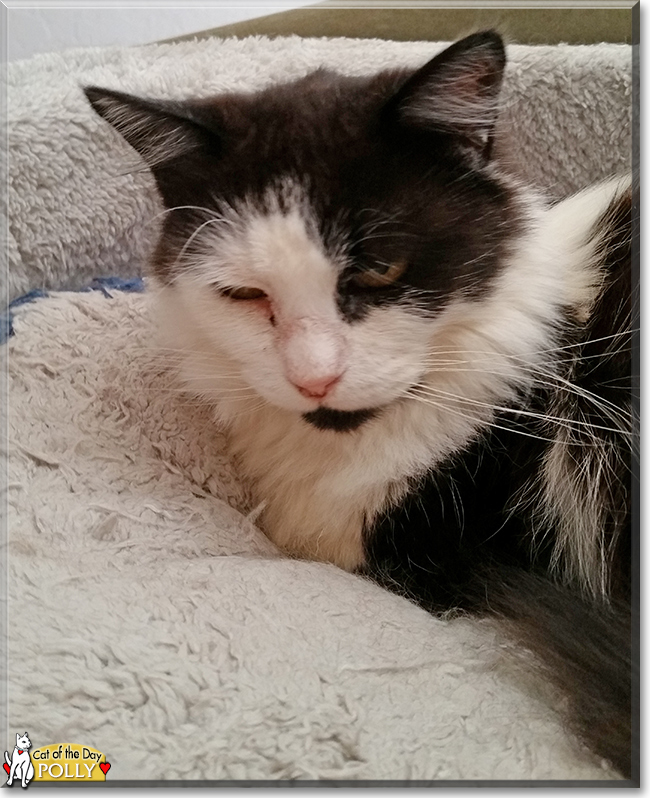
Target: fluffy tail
{"x":583,"y":649}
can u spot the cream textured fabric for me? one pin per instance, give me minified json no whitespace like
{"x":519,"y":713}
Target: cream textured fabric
{"x":81,"y":204}
{"x":151,"y":620}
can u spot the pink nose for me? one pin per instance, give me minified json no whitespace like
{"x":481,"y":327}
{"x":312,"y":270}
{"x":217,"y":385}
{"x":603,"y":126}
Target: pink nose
{"x":319,"y":388}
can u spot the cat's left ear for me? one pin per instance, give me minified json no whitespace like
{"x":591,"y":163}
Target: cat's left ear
{"x":457,"y":92}
{"x":160,"y":130}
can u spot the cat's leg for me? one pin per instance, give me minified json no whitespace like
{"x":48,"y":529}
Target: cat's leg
{"x":12,"y":773}
{"x":24,"y":781}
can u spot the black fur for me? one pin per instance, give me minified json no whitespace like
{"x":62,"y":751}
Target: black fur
{"x":339,"y":420}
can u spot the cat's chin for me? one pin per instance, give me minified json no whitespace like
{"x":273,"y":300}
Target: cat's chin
{"x":326,"y":418}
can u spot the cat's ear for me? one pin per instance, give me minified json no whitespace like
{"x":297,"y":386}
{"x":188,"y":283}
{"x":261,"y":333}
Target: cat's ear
{"x":160,"y":130}
{"x":457,"y":92}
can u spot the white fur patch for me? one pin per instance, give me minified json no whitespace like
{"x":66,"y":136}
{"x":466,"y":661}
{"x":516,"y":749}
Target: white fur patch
{"x":571,"y":496}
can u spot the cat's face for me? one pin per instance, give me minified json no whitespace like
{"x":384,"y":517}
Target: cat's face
{"x":23,"y":742}
{"x":323,"y":236}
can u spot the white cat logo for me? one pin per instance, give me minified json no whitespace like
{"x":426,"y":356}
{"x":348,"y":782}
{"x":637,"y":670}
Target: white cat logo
{"x":20,"y":765}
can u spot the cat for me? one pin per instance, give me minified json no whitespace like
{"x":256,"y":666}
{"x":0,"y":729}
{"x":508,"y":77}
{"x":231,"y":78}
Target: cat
{"x":20,"y":764}
{"x":424,"y":366}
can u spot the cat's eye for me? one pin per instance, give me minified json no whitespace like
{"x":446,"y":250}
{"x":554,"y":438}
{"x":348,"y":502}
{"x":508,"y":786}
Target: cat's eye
{"x":243,"y":293}
{"x":376,"y":278}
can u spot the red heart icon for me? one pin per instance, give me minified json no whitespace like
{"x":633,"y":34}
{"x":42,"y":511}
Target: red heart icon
{"x":105,"y":766}
{"x":6,"y":767}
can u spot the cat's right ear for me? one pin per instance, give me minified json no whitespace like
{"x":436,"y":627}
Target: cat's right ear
{"x":160,"y":130}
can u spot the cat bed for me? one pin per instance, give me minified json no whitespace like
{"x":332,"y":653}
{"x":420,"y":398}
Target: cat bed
{"x":148,"y":616}
{"x":150,"y":619}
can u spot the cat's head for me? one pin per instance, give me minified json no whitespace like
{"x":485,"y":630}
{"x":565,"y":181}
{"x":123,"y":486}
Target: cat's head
{"x":321,"y":233}
{"x":22,"y":741}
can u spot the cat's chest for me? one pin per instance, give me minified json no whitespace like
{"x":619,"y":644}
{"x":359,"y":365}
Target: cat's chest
{"x":320,"y":489}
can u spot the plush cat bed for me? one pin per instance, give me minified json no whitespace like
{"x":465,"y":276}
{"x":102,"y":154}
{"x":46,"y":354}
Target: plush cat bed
{"x":148,"y":617}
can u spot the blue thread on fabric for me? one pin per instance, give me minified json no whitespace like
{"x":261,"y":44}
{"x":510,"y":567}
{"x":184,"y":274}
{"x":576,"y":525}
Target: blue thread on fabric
{"x":103,"y":284}
{"x":7,"y":317}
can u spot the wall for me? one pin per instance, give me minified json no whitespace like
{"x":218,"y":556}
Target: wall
{"x":32,"y":30}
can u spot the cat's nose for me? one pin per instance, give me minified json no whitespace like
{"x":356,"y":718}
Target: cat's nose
{"x":317,"y":388}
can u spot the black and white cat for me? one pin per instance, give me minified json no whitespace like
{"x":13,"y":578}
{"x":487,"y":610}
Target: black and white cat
{"x":425,"y":369}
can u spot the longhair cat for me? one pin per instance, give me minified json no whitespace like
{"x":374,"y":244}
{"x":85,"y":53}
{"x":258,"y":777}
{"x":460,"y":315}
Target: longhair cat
{"x":425,"y":368}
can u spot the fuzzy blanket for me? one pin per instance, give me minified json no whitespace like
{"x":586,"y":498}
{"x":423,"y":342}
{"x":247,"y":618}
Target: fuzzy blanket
{"x":148,"y":617}
{"x":82,"y":205}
